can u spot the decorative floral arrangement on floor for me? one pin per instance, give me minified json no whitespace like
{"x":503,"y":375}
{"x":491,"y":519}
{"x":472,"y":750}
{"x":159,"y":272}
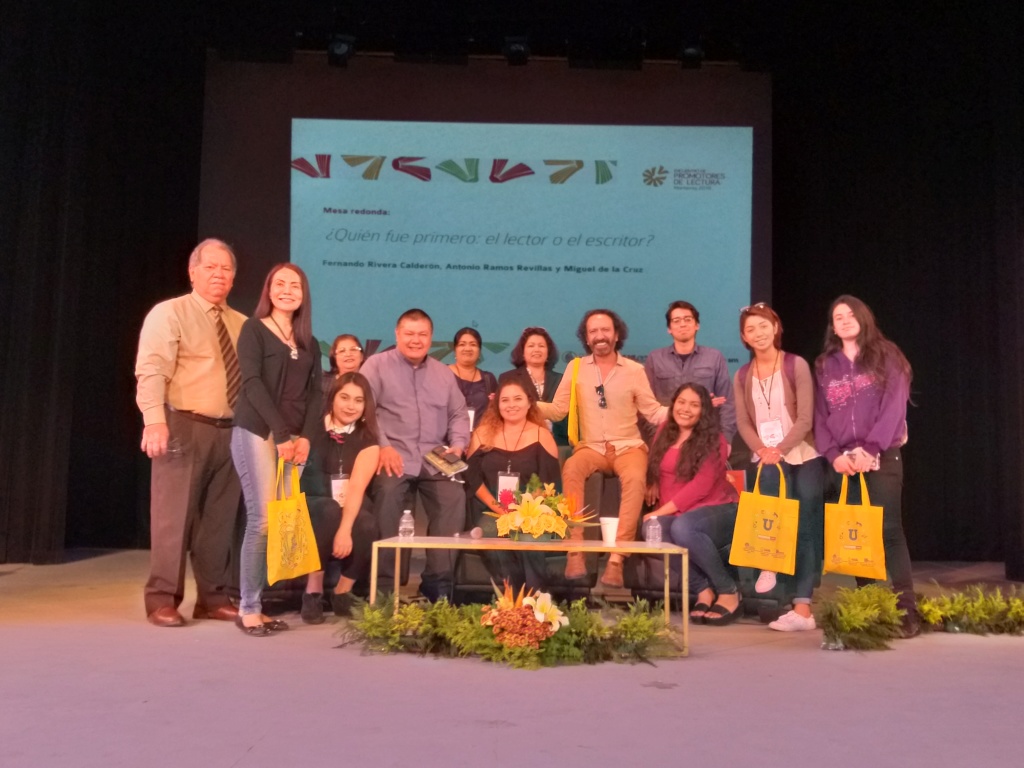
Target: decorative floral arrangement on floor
{"x":526,"y":631}
{"x":538,"y":510}
{"x":867,"y":618}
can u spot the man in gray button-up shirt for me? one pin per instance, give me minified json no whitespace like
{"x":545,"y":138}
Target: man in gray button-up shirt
{"x":419,"y":406}
{"x":685,"y":361}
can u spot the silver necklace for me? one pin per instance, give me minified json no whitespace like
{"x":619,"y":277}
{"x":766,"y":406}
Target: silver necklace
{"x":288,"y":338}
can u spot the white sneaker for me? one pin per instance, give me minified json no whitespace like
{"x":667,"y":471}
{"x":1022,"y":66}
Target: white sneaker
{"x":765,"y":582}
{"x":793,"y":622}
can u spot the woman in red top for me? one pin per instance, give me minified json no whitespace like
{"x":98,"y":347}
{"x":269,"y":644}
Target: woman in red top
{"x":686,"y":476}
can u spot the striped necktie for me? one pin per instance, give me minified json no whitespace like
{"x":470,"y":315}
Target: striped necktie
{"x":227,"y":351}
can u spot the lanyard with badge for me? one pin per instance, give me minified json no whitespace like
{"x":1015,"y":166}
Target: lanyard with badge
{"x":770,"y":431}
{"x":509,"y":480}
{"x":339,"y":479}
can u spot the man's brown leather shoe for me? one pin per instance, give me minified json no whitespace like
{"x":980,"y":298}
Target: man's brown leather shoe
{"x":166,"y":617}
{"x":220,"y":613}
{"x":575,"y":565}
{"x":612,"y":576}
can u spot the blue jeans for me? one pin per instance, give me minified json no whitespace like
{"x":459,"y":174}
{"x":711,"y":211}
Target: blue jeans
{"x":705,"y":531}
{"x":806,"y":483}
{"x":255,"y":461}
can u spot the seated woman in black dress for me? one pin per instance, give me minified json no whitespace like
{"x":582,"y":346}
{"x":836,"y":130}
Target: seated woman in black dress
{"x":534,"y":357}
{"x":343,"y":460}
{"x":511,"y":439}
{"x":476,"y":386}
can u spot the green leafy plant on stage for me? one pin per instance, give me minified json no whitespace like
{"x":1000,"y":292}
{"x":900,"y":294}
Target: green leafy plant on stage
{"x":525,"y":631}
{"x":864,"y":619}
{"x":867,"y":618}
{"x":974,"y":610}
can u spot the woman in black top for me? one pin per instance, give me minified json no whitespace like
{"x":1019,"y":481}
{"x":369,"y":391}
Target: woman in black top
{"x":534,"y":357}
{"x":278,"y":411}
{"x":512,"y":439}
{"x":476,"y":386}
{"x":342,"y":462}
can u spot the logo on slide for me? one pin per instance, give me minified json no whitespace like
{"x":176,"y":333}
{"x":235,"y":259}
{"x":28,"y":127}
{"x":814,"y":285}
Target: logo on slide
{"x":699,"y":179}
{"x":503,"y":170}
{"x":655,"y":177}
{"x":321,"y":171}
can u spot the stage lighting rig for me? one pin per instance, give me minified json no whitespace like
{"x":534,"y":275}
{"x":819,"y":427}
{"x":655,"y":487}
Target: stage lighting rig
{"x":516,"y":50}
{"x":340,"y":49}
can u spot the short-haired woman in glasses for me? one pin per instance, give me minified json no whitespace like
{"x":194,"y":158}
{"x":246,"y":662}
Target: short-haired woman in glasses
{"x":346,"y":357}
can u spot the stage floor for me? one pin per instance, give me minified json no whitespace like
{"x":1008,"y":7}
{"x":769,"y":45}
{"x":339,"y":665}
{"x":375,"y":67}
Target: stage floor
{"x":86,"y":681}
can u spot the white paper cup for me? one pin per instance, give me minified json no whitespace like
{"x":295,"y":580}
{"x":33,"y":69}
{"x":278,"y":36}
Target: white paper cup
{"x":609,"y":528}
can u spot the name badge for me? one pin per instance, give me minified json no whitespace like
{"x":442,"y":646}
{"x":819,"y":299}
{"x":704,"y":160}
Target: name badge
{"x":508,"y":481}
{"x":339,"y":486}
{"x":770,"y":432}
{"x":472,"y":417}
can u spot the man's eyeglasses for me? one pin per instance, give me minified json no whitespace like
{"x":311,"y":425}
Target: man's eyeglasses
{"x":601,"y":401}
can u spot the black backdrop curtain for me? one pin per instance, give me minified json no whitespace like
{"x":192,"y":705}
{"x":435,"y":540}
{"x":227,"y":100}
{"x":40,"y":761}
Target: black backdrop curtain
{"x":100,"y":132}
{"x":898,"y":147}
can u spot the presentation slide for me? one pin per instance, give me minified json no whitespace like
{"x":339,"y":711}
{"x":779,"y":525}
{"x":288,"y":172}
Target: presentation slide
{"x":499,"y":227}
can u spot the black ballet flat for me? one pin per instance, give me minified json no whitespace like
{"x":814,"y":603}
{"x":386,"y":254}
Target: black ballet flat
{"x":260,"y":630}
{"x":276,"y":625}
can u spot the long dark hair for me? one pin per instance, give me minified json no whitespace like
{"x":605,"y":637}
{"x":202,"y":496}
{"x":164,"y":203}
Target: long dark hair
{"x":368,"y":422}
{"x":698,"y":447}
{"x":875,"y":353}
{"x":518,"y":360}
{"x":491,"y":420}
{"x":302,"y":324}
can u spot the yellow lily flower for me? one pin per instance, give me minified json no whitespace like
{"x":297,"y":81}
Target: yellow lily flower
{"x":544,"y":610}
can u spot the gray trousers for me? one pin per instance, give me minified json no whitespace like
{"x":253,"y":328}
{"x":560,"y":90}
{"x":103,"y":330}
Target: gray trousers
{"x":193,"y":508}
{"x":444,"y":502}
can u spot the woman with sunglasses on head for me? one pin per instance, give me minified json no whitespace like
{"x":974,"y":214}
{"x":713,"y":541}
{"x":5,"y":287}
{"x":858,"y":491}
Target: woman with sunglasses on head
{"x":346,"y":357}
{"x":860,"y":424}
{"x":476,"y":386}
{"x":534,"y":357}
{"x":278,"y":412}
{"x":696,"y":503}
{"x":774,"y":416}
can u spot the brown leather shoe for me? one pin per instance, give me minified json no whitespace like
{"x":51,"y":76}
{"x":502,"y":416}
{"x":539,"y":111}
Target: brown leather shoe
{"x":612,"y":576}
{"x":166,"y":617}
{"x":220,"y":613}
{"x":575,"y":565}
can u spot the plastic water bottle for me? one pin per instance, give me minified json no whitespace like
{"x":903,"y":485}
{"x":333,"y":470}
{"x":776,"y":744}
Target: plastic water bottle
{"x":407,"y":525}
{"x":652,"y":531}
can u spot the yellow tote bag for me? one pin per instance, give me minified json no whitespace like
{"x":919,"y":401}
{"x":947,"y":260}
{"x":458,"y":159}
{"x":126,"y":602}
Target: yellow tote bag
{"x":574,"y":406}
{"x":291,"y":546}
{"x":853,"y":536}
{"x":766,"y":527}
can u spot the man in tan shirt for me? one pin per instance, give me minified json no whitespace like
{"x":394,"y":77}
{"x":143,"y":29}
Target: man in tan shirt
{"x":611,"y":390}
{"x":188,"y":379}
